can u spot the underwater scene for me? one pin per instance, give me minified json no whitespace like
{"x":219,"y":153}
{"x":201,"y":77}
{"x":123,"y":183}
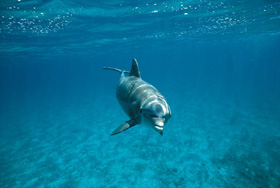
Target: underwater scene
{"x":198,"y":107}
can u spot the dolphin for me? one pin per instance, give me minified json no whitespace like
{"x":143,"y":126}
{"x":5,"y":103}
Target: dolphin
{"x":141,"y":101}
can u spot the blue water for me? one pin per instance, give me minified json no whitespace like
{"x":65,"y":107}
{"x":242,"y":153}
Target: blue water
{"x":216,"y":62}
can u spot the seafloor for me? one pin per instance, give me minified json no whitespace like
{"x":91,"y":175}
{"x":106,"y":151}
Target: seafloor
{"x":208,"y":142}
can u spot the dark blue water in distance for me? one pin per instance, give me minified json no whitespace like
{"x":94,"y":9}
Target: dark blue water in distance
{"x":216,"y":62}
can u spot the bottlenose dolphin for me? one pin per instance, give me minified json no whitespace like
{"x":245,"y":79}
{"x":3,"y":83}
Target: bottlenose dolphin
{"x":141,"y":101}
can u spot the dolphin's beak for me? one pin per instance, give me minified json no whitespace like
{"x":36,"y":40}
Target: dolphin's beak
{"x":158,"y":124}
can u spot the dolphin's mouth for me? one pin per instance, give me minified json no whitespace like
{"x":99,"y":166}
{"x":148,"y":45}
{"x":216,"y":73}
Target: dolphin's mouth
{"x":159,"y":127}
{"x":158,"y":124}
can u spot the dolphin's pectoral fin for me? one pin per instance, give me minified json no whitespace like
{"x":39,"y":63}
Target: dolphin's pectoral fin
{"x":126,"y":125}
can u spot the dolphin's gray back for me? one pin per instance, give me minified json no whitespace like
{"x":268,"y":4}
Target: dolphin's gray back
{"x":132,"y":92}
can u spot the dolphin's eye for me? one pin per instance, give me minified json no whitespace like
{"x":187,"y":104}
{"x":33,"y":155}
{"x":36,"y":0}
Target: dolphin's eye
{"x":141,"y":110}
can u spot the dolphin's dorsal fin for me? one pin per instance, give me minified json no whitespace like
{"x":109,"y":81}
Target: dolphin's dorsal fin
{"x":135,"y":69}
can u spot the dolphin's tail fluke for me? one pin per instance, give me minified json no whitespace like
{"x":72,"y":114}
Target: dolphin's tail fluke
{"x":110,"y":68}
{"x":118,"y":70}
{"x":115,"y":69}
{"x":134,"y":69}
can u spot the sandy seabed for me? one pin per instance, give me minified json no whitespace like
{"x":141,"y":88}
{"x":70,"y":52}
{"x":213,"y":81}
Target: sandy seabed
{"x":206,"y":143}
